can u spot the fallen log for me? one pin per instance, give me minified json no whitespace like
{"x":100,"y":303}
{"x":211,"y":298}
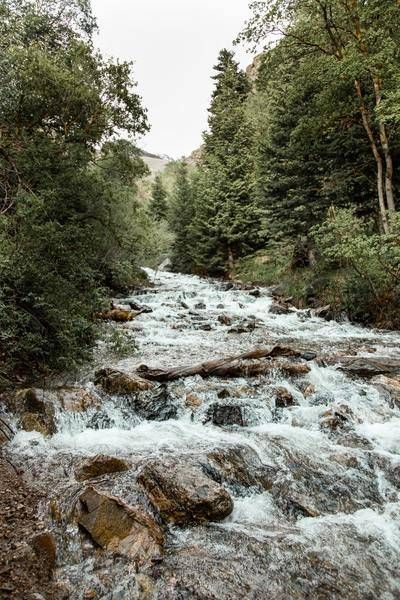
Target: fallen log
{"x":232,"y":366}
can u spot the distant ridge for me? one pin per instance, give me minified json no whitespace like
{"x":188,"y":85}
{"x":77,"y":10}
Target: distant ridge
{"x":155,"y":162}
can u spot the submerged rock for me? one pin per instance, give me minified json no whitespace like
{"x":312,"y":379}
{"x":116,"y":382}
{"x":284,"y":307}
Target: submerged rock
{"x":225,"y":414}
{"x":156,"y":405}
{"x":114,"y":381}
{"x":99,"y":465}
{"x":183,"y":494}
{"x":119,"y":528}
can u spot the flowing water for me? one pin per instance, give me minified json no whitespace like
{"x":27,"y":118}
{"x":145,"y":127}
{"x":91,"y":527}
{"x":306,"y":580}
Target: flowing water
{"x":328,"y":526}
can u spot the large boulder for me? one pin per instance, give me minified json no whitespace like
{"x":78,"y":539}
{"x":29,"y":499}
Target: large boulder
{"x":119,"y":528}
{"x":114,"y":381}
{"x":99,"y":465}
{"x":183,"y":494}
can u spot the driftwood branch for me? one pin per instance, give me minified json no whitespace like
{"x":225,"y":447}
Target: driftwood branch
{"x":250,"y":364}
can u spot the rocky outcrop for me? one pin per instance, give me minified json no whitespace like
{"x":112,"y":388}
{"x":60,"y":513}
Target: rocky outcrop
{"x":119,"y":528}
{"x":183,"y":494}
{"x":99,"y":465}
{"x":117,"y":382}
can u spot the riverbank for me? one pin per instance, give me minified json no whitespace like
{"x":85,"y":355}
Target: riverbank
{"x":342,"y":294}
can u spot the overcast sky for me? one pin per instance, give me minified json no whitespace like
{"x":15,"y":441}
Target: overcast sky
{"x":174,"y":44}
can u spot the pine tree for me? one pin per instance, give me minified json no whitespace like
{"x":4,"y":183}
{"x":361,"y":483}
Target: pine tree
{"x":231,"y":214}
{"x":158,"y":204}
{"x":180,"y":219}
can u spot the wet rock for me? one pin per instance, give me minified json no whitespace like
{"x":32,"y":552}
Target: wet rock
{"x":200,"y":306}
{"x":157,"y":405}
{"x":256,"y":293}
{"x":35,"y":408}
{"x":220,"y":306}
{"x":388,"y":387}
{"x":205,"y":327}
{"x":294,"y":369}
{"x":309,"y":486}
{"x":279,"y":309}
{"x":351,"y":439}
{"x":193,"y":401}
{"x":126,"y":530}
{"x":224,"y":415}
{"x":284,"y":398}
{"x":119,"y":382}
{"x":324,"y":312}
{"x":76,"y":399}
{"x":39,"y":423}
{"x":225,"y":320}
{"x":99,"y":465}
{"x":244,"y":327}
{"x":224,"y":393}
{"x":370,"y":367}
{"x":184,"y":305}
{"x":241,"y":468}
{"x":45,"y":547}
{"x":183,"y":494}
{"x":336,"y":417}
{"x":140,"y":308}
{"x":308,"y":390}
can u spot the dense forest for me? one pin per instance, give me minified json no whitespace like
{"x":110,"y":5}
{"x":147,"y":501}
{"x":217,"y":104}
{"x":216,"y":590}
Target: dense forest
{"x":71,"y":227}
{"x":297,"y":181}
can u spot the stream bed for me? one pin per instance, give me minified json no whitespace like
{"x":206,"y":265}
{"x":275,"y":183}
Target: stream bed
{"x":310,"y":461}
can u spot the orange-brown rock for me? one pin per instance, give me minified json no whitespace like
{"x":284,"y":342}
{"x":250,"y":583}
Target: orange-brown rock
{"x":182,"y":493}
{"x":126,"y":530}
{"x":119,"y":315}
{"x":119,"y":382}
{"x":99,"y":465}
{"x":193,"y":401}
{"x":283,"y":398}
{"x":390,"y":386}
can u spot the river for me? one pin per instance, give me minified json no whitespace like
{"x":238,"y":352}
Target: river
{"x":327,"y":523}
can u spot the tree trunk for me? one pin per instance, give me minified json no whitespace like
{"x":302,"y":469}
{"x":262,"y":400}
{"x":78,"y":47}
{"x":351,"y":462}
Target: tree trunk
{"x":231,"y":264}
{"x":386,"y":150}
{"x":377,"y":156}
{"x":248,"y":364}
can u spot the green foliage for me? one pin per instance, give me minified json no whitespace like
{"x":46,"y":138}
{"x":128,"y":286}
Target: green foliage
{"x":369,"y":262}
{"x":69,"y":222}
{"x":180,"y":219}
{"x":224,"y":216}
{"x":158,"y":204}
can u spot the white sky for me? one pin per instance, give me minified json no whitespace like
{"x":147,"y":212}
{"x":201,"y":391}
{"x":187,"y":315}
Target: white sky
{"x":174,"y":44}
